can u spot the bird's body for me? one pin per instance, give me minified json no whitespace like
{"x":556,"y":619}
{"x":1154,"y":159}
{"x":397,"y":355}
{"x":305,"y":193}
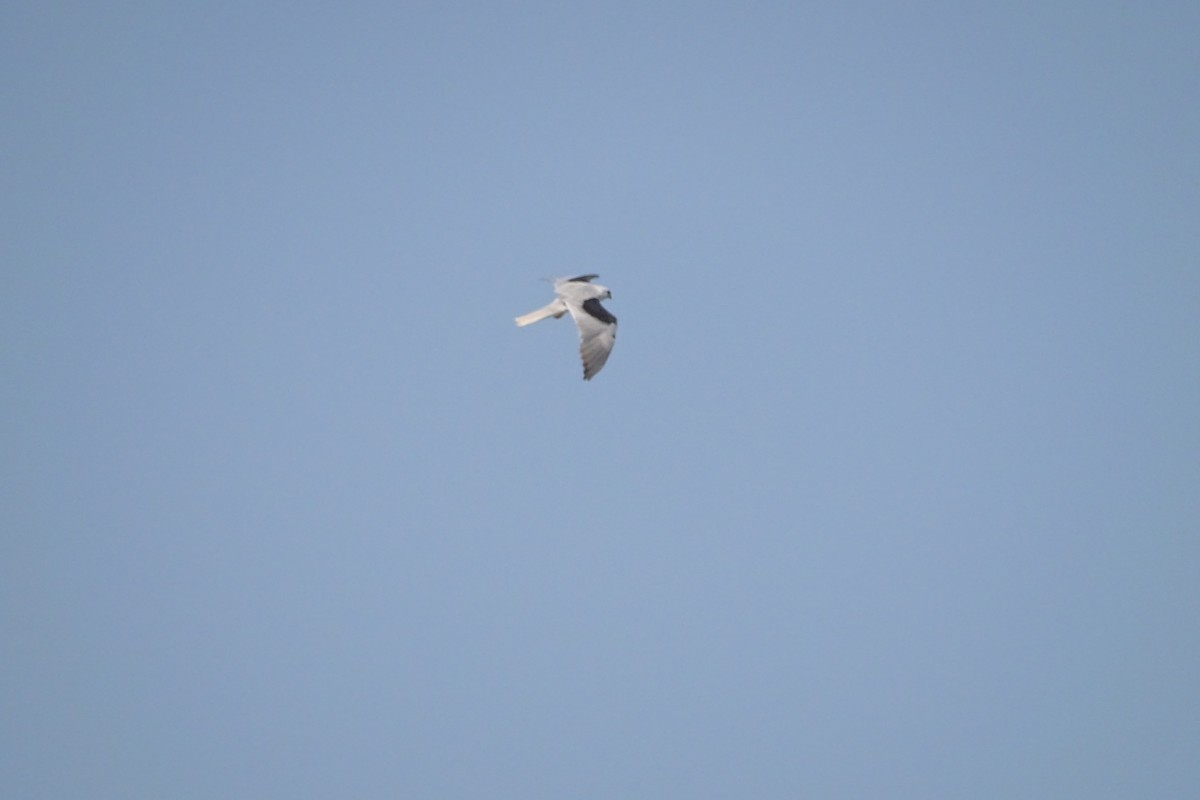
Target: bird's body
{"x":597,"y":327}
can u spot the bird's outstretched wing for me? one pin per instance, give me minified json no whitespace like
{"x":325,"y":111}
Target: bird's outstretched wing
{"x":597,"y":334}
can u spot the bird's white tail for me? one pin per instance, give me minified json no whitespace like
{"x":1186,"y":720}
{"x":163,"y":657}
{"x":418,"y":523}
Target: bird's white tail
{"x":555,"y":309}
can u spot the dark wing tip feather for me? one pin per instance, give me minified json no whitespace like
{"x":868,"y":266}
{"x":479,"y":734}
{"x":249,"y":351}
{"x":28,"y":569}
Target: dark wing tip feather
{"x":582,"y":278}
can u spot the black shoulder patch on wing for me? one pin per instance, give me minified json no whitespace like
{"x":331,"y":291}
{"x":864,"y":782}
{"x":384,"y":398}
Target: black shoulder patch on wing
{"x":582,"y":278}
{"x":598,"y":311}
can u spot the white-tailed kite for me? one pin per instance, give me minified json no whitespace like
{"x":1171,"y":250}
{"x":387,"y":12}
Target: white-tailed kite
{"x":597,"y":327}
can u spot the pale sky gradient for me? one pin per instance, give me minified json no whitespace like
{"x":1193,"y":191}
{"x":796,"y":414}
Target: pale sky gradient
{"x":890,"y":489}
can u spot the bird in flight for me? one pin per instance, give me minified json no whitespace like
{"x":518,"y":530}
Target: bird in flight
{"x":581,"y":298}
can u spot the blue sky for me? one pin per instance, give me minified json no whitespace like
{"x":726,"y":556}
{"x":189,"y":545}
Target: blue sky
{"x":889,"y":488}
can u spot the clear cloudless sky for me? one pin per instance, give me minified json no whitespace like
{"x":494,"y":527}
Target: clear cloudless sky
{"x":890,"y":489}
